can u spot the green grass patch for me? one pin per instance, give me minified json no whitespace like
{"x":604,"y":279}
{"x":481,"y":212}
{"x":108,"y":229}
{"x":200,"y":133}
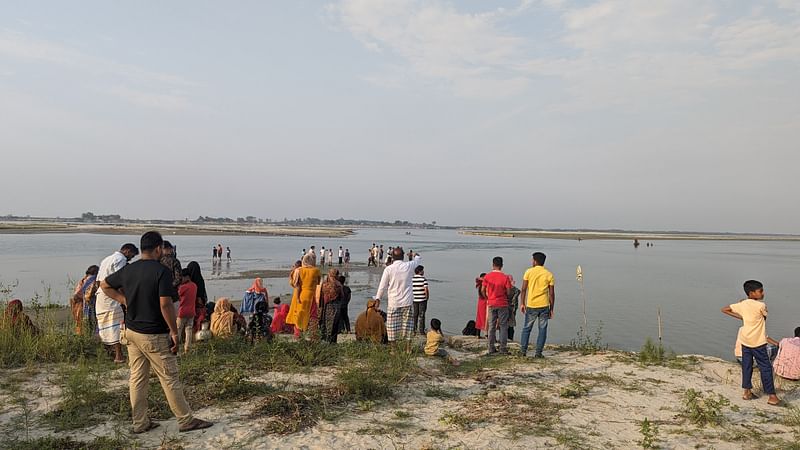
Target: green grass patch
{"x":702,"y":410}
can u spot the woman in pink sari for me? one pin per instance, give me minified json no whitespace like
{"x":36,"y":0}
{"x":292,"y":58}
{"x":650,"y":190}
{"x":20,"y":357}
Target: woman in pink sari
{"x":480,"y":316}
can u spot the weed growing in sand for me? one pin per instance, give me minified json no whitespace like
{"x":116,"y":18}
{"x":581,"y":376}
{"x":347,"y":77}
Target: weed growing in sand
{"x":19,"y":427}
{"x":702,"y":410}
{"x":649,"y":432}
{"x":68,"y":443}
{"x":437,"y":392}
{"x":587,"y":344}
{"x":573,"y":390}
{"x":653,"y":354}
{"x":570,"y":438}
{"x":792,"y":417}
{"x":538,"y":414}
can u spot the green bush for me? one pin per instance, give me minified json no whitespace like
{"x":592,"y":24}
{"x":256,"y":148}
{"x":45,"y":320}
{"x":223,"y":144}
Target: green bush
{"x":654,"y":354}
{"x":702,"y":410}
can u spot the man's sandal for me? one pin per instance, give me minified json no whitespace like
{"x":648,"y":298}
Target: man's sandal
{"x":195,"y":424}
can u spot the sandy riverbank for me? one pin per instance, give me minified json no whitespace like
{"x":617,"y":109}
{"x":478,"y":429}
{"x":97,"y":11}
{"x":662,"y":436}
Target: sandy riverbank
{"x":567,"y":400}
{"x":645,"y":236}
{"x":172,"y":229}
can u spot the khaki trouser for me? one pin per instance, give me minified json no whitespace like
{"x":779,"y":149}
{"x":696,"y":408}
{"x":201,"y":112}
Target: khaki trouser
{"x":152,"y":350}
{"x":185,"y":332}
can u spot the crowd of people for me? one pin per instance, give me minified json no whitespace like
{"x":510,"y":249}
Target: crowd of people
{"x":155,"y":308}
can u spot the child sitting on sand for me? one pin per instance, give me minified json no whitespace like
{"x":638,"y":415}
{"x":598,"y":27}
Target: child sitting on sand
{"x":434,"y":340}
{"x":753,"y":334}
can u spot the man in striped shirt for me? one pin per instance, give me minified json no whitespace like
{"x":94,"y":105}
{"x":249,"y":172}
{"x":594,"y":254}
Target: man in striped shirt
{"x":421,"y":294}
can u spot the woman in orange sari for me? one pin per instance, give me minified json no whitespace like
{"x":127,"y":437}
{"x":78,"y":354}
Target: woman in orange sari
{"x":304,"y":300}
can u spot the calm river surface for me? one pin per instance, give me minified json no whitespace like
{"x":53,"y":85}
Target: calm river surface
{"x":689,"y":280}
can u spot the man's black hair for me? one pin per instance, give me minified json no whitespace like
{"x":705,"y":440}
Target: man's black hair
{"x":752,"y":285}
{"x":167,"y":244}
{"x":797,"y":332}
{"x":436,"y":325}
{"x":342,"y":279}
{"x":497,"y":261}
{"x":130,"y":248}
{"x":539,"y":257}
{"x":397,"y":254}
{"x":93,"y":270}
{"x":418,"y":270}
{"x":151,"y":241}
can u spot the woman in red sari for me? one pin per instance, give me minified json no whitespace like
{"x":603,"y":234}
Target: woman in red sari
{"x":480,"y":316}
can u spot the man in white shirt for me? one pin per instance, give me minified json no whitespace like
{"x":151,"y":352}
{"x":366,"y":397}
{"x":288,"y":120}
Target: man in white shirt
{"x":397,"y":284}
{"x":341,"y":255}
{"x":107,"y":310}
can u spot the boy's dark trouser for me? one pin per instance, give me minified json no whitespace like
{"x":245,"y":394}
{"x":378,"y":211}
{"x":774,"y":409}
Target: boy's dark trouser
{"x":764,"y":367}
{"x":344,"y":320}
{"x":498,"y":319}
{"x":419,"y":316}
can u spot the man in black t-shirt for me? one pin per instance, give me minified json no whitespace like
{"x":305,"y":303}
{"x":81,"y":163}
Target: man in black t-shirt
{"x":146,"y":288}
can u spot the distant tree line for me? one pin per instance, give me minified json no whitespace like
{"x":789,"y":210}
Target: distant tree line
{"x":91,"y":217}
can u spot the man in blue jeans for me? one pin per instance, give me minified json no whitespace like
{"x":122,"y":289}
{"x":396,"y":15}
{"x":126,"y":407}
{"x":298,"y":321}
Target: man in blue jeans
{"x":538,"y":301}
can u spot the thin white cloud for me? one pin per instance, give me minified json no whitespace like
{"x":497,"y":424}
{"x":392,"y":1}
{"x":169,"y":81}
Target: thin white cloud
{"x":140,"y":86}
{"x":605,"y":54}
{"x":467,"y":51}
{"x":167,"y":102}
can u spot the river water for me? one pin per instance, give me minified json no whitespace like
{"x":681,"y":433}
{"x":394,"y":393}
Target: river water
{"x":689,"y":280}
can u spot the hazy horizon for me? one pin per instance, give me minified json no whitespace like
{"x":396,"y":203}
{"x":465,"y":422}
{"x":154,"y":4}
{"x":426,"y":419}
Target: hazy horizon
{"x":614,"y":114}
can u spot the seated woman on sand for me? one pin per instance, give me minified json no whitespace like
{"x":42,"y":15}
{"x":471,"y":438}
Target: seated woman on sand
{"x":370,"y":324}
{"x":787,"y":364}
{"x":224,"y":321}
{"x":16,"y":320}
{"x":279,"y":322}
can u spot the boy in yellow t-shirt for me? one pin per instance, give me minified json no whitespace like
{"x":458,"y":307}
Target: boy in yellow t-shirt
{"x":753,"y":336}
{"x":538,"y":298}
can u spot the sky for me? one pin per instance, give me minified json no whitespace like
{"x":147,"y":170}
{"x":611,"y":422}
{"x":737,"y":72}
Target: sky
{"x":646,"y":115}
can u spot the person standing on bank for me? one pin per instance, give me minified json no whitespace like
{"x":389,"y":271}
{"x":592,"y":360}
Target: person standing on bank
{"x":110,"y":314}
{"x":538,"y":299}
{"x":397,"y":284}
{"x":146,"y":289}
{"x":496,"y":289}
{"x":421,"y":295}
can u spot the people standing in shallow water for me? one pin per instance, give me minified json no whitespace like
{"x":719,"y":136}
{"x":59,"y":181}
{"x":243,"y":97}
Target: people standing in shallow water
{"x":228,"y":252}
{"x":213,"y":253}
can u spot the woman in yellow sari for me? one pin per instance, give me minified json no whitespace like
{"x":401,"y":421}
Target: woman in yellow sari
{"x":304,"y":300}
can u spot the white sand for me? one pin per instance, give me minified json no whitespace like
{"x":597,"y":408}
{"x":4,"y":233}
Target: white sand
{"x":619,"y":394}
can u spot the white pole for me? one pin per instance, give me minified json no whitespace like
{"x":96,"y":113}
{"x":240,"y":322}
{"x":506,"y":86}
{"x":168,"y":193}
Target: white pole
{"x":659,"y":325}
